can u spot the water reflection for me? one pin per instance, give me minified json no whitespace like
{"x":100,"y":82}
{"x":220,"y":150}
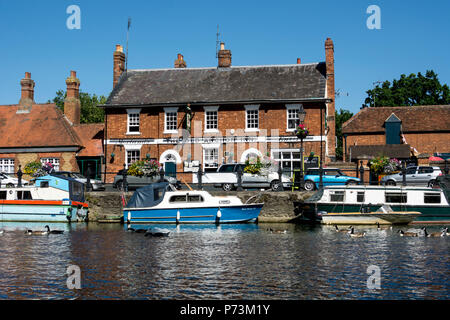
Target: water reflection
{"x":244,"y":261}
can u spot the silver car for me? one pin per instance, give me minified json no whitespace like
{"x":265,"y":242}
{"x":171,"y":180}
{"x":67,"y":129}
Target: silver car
{"x":97,"y":185}
{"x":417,"y":175}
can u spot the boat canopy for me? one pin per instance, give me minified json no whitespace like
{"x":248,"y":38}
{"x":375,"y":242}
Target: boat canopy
{"x":444,"y":182}
{"x":148,"y":196}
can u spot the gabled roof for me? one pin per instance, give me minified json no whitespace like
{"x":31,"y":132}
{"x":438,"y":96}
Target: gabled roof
{"x":44,"y":126}
{"x":91,"y":136}
{"x":220,"y":85}
{"x":414,"y":119}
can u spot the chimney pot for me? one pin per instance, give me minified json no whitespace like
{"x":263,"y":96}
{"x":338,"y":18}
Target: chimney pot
{"x":27,"y":75}
{"x":73,"y":74}
{"x":119,"y":48}
{"x":180,"y":63}
{"x":222,"y":46}
{"x":299,"y":61}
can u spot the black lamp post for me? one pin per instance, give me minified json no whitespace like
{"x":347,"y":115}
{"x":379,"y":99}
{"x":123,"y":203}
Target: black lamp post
{"x":301,"y":134}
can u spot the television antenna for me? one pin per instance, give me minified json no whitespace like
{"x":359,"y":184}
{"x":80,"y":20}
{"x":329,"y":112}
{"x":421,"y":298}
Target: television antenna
{"x":126,"y":57}
{"x":217,"y":42}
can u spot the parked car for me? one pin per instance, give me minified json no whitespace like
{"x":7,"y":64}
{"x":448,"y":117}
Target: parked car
{"x":415,"y":175}
{"x":137,"y":182}
{"x":330,"y":177}
{"x":97,"y":185}
{"x":10,"y":182}
{"x":226,"y":177}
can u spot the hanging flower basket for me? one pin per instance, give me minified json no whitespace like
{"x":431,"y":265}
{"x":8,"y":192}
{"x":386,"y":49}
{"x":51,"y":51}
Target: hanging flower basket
{"x":301,"y":131}
{"x":36,"y":169}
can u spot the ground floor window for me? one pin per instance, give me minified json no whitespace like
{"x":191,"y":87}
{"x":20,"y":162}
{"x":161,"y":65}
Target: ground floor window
{"x":133,"y":156}
{"x":211,"y":158}
{"x":53,"y":161}
{"x":288,"y":158}
{"x":7,"y":165}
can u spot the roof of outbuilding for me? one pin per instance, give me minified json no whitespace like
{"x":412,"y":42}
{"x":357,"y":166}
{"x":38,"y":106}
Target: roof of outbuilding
{"x":91,"y":137}
{"x":220,"y":85}
{"x":43,"y":126}
{"x":416,"y":118}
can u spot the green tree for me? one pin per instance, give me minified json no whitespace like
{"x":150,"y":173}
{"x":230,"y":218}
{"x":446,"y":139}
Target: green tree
{"x":90,"y":113}
{"x":412,"y":90}
{"x":340,"y":118}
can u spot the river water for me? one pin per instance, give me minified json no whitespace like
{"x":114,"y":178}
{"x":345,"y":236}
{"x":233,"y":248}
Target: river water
{"x":243,"y":261}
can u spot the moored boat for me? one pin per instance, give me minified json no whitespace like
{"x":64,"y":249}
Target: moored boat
{"x":158,"y":203}
{"x":432,"y":203}
{"x":50,"y":199}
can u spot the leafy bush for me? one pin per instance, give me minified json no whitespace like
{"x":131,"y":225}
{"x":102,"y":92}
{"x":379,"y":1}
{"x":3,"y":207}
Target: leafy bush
{"x":144,"y":168}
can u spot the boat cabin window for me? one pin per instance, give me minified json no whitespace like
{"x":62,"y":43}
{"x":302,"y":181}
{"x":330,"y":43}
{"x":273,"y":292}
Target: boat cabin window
{"x":44,"y":184}
{"x":180,"y":198}
{"x":360,"y":196}
{"x":2,"y":195}
{"x":24,"y":195}
{"x":157,"y":194}
{"x":396,"y":197}
{"x":432,"y":198}
{"x":195,"y":198}
{"x":337,"y":196}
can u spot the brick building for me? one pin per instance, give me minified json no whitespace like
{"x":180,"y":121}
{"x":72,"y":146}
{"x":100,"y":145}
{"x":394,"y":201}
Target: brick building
{"x":424,"y":129}
{"x":190,"y":117}
{"x":31,"y":131}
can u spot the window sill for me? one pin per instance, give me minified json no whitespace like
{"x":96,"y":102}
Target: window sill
{"x":133,"y":133}
{"x":251,"y":130}
{"x":170,"y":131}
{"x":211,"y":131}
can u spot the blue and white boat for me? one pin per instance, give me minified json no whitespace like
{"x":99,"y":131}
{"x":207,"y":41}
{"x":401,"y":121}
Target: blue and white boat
{"x":158,"y":203}
{"x":50,"y":199}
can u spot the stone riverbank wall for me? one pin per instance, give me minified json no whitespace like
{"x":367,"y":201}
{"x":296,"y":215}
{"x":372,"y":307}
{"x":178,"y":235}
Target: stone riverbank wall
{"x":278,"y":206}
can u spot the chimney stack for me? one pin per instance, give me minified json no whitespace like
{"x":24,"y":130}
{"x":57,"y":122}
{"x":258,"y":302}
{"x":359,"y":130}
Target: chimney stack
{"x":119,"y":64}
{"x":72,"y":103}
{"x":27,"y":97}
{"x":224,"y":57}
{"x":180,"y":63}
{"x":299,"y":61}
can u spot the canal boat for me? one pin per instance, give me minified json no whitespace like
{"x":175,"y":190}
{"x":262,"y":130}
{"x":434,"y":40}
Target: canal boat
{"x":432,"y":203}
{"x":160,"y":203}
{"x":50,"y":199}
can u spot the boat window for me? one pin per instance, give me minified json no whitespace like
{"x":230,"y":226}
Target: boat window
{"x":432,"y":198}
{"x":2,"y":195}
{"x":337,"y":196}
{"x":157,"y":194}
{"x":180,"y":198}
{"x":44,"y":184}
{"x":24,"y":195}
{"x":77,"y":188}
{"x":396,"y":197}
{"x":195,"y":198}
{"x":360,"y":196}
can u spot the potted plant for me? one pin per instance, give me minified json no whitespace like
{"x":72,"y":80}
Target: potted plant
{"x":144,"y":168}
{"x":301,"y":131}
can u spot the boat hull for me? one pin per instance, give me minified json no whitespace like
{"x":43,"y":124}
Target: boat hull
{"x":42,"y":211}
{"x":230,"y":214}
{"x":355,"y":218}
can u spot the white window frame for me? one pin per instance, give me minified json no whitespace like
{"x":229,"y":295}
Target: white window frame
{"x":208,"y":148}
{"x":53,"y":161}
{"x":251,"y":107}
{"x":211,"y":109}
{"x":132,"y":147}
{"x":7,"y":165}
{"x":130,"y":112}
{"x":290,"y":107}
{"x":126,"y":156}
{"x":291,"y":158}
{"x":166,"y":111}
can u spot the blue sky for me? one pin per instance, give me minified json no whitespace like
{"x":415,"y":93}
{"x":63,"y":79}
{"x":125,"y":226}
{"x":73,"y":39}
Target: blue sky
{"x":34,"y":38}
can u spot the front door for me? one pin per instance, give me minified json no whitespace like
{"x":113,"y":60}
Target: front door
{"x":170,"y":169}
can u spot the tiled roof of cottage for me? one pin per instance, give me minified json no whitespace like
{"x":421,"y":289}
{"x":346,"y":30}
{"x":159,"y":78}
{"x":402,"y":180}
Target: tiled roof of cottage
{"x":211,"y":85}
{"x":44,"y":126}
{"x":414,"y":119}
{"x":91,"y":136}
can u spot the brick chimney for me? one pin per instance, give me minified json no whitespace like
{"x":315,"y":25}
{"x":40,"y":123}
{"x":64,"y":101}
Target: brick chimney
{"x":27,"y":96}
{"x":72,"y":104}
{"x":331,"y":127}
{"x":224,"y":57}
{"x":119,"y":64}
{"x":180,"y":63}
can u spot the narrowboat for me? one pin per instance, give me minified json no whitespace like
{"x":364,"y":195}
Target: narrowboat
{"x":50,"y":199}
{"x":160,"y":203}
{"x":431,"y":203}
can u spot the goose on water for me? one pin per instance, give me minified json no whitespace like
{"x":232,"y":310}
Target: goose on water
{"x":408,"y":234}
{"x":433,"y":234}
{"x":277,"y":231}
{"x":446,"y":231}
{"x":354,"y":234}
{"x":47,"y":231}
{"x":379,"y":228}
